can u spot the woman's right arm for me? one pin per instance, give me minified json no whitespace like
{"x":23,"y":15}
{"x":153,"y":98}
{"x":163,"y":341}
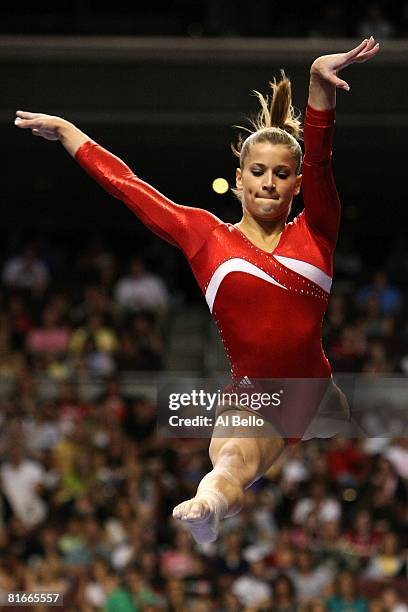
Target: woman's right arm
{"x":52,"y":128}
{"x":183,"y":226}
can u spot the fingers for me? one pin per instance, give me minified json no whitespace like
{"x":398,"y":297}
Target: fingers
{"x":25,"y":119}
{"x":363,"y":52}
{"x":368,"y":48}
{"x":27,"y":115}
{"x":343,"y":85}
{"x":28,"y":123}
{"x":359,"y":48}
{"x":368,"y":53}
{"x":340,"y":84}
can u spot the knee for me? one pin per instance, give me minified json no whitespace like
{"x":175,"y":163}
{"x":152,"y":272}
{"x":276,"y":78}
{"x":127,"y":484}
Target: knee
{"x":233,"y":454}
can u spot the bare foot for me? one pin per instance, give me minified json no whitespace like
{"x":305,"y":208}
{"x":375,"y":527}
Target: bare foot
{"x":202,"y":515}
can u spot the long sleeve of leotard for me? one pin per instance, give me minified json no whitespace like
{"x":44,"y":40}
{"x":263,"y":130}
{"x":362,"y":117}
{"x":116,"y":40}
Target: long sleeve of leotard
{"x":183,"y":226}
{"x":322,"y":205}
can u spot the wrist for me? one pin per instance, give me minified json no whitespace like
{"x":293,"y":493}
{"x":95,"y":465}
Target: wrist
{"x":316,"y":71}
{"x":63,"y":129}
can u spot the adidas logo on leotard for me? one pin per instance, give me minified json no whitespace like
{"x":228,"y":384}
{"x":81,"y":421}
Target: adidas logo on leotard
{"x":245,"y":382}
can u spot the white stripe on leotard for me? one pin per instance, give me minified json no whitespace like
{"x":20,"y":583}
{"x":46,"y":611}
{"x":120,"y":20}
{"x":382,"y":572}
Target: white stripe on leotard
{"x":307,"y":270}
{"x":234,"y":265}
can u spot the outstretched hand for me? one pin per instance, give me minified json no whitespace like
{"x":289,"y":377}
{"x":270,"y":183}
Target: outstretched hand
{"x":40,"y":124}
{"x":326,"y":67}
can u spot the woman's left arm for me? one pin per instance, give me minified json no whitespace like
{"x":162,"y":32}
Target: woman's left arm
{"x":324,"y":78}
{"x":322,"y":206}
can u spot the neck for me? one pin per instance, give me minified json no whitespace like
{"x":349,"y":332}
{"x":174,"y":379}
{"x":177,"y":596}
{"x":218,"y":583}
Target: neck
{"x":262,"y":231}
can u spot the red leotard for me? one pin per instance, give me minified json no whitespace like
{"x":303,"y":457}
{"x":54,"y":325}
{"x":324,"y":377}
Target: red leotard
{"x":268,"y":307}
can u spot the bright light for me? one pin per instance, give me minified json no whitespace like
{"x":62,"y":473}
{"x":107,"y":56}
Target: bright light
{"x":220,"y":185}
{"x":349,"y":495}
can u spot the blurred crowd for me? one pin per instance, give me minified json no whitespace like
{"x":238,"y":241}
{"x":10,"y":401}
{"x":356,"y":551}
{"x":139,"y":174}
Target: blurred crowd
{"x":196,"y":18}
{"x":107,"y":323}
{"x":111,"y":316}
{"x":87,"y":486}
{"x":87,"y":490}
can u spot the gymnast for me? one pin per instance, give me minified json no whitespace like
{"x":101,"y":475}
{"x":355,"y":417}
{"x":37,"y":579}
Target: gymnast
{"x":266,"y":281}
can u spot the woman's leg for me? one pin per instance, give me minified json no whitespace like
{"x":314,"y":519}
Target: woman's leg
{"x":237,"y":463}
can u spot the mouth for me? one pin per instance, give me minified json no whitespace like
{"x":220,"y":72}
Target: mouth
{"x":268,"y":197}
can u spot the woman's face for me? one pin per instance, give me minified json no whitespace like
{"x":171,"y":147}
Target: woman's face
{"x":268,"y":181}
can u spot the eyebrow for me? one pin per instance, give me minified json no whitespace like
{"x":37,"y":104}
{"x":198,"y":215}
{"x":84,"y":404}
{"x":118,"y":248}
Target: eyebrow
{"x":282,"y":166}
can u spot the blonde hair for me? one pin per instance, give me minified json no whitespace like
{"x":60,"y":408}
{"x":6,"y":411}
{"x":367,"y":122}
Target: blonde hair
{"x":276,"y":123}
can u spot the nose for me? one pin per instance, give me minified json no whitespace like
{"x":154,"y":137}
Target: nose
{"x":268,"y":181}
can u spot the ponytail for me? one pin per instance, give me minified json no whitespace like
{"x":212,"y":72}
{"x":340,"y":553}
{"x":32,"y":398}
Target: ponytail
{"x":276,"y":123}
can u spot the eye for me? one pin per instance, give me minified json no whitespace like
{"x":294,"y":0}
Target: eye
{"x":282,"y":175}
{"x":256,"y":172}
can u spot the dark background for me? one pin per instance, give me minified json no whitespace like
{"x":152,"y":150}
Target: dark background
{"x":167,"y":103}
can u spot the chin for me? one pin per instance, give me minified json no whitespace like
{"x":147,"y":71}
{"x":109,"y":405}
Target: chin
{"x":273,"y":213}
{"x":268,"y":209}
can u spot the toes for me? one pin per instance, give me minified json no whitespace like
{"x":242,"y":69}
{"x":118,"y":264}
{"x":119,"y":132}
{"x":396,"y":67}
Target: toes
{"x":197,"y":510}
{"x":191,"y":510}
{"x":179,"y":510}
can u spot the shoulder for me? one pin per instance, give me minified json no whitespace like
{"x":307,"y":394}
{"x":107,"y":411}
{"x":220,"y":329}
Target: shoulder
{"x":204,"y":216}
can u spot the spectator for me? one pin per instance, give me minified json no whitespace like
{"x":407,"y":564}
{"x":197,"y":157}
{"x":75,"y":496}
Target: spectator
{"x":231,"y":562}
{"x":141,"y":290}
{"x":141,"y":344}
{"x":347,"y":353}
{"x":387,"y":563}
{"x":94,"y":361}
{"x":346,"y":598}
{"x":329,"y":548}
{"x":377,"y":361}
{"x":104,"y":336}
{"x":284,"y":595}
{"x":26,"y":272}
{"x":142,"y":593}
{"x":51,"y":337}
{"x":94,"y":592}
{"x":113,"y":401}
{"x":47,"y":575}
{"x":374,"y":323}
{"x":315,"y":605}
{"x":230,"y":602}
{"x":22,"y":481}
{"x":310,"y":581}
{"x":253,"y":588}
{"x":19,"y":321}
{"x":363,"y":539}
{"x":118,"y":597}
{"x":175,"y":594}
{"x":391,"y":601}
{"x":178,"y":562}
{"x":327,"y":508}
{"x":345,"y":462}
{"x":389,"y":493}
{"x":72,"y":544}
{"x":96,"y":301}
{"x":96,"y":262}
{"x":388,"y":296}
{"x":77,"y":480}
